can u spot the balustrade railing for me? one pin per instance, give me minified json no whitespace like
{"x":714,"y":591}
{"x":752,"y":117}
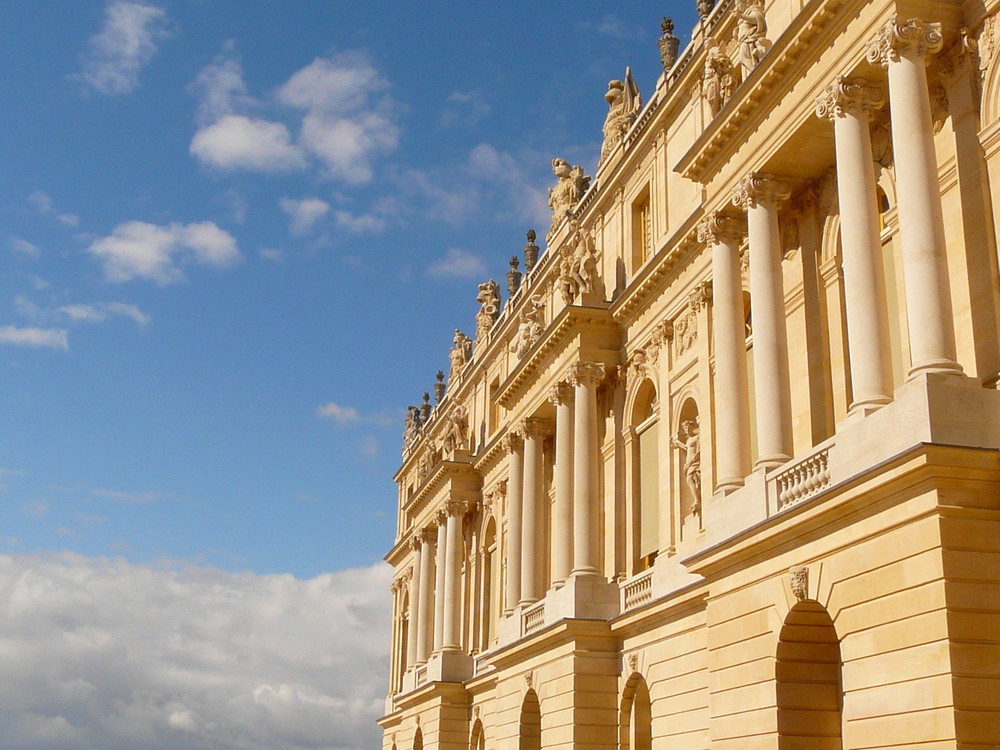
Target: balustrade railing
{"x":802,"y":480}
{"x":637,"y":591}
{"x":533,"y":619}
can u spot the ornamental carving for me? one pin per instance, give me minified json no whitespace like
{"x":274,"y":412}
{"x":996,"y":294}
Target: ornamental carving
{"x":530,"y":326}
{"x":758,"y":189}
{"x":489,"y":310}
{"x":578,"y":267}
{"x":700,"y":296}
{"x":685,"y":332}
{"x":849,"y":96}
{"x":718,"y":82}
{"x":624,"y":103}
{"x":798,"y":580}
{"x":586,"y":373}
{"x":633,"y":662}
{"x":898,"y":38}
{"x":571,"y":184}
{"x":718,"y":227}
{"x":751,"y":33}
{"x":638,"y":367}
{"x":461,"y":353}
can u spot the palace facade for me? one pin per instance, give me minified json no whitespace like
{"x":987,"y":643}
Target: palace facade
{"x":722,"y":471}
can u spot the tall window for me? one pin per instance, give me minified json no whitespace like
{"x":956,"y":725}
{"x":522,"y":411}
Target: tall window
{"x":642,"y":230}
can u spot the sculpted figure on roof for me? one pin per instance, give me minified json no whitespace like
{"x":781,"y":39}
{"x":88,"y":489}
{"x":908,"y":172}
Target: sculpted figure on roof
{"x":571,"y":184}
{"x":624,"y":103}
{"x":489,"y":310}
{"x":751,"y":33}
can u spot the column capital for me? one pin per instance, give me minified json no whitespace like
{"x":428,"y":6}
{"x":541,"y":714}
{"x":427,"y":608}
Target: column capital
{"x":534,"y":428}
{"x":897,"y":38}
{"x":512,"y":442}
{"x":428,"y":535}
{"x":849,"y":96}
{"x":416,"y":540}
{"x":718,"y":227}
{"x":586,"y":373}
{"x":456,"y":508}
{"x":759,"y":189}
{"x":441,"y":518}
{"x":561,"y":393}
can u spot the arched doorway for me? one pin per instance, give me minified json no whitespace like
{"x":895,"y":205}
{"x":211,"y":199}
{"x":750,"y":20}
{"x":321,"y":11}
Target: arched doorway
{"x":635,"y":723}
{"x":530,"y":729}
{"x":478,"y":740}
{"x":808,"y":676}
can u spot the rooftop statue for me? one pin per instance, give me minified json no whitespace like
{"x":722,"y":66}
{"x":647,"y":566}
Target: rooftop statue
{"x":578,"y":269}
{"x":669,"y":44}
{"x":571,"y":184}
{"x":624,"y":103}
{"x":705,"y":8}
{"x":530,"y":327}
{"x":751,"y":33}
{"x":530,"y":248}
{"x":489,"y":310}
{"x":461,"y":353}
{"x":718,"y":82}
{"x":513,"y":277}
{"x":411,"y":429}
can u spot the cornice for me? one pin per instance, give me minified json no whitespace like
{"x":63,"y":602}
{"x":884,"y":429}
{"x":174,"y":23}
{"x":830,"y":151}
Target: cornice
{"x":445,"y":472}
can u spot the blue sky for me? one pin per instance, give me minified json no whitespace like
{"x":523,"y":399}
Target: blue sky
{"x":238,"y":237}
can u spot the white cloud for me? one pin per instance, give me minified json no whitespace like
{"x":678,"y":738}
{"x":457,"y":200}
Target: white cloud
{"x":123,"y":47}
{"x":304,"y":213}
{"x":129,"y":498}
{"x":36,"y":508}
{"x":101,"y":311}
{"x":338,"y":413}
{"x":102,"y":654}
{"x":221,"y":88}
{"x":41,"y":201}
{"x":464,"y":109}
{"x":348,"y":121}
{"x":137,"y":249}
{"x":272,"y":254}
{"x":459,"y":264}
{"x":23,"y":247}
{"x":43,"y":338}
{"x":241,"y":142}
{"x":68,"y":220}
{"x":358,"y":224}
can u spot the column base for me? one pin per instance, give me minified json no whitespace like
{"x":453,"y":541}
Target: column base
{"x":449,"y":665}
{"x":582,"y":597}
{"x":771,"y":462}
{"x":729,"y":485}
{"x":936,"y":366}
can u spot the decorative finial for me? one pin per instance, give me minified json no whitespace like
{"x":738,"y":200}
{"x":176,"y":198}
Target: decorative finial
{"x":439,"y":387}
{"x":530,"y":252}
{"x":513,"y":277}
{"x":425,"y":409}
{"x":669,"y":44}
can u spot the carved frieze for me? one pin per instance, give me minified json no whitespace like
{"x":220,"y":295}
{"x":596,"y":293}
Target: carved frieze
{"x":685,"y":332}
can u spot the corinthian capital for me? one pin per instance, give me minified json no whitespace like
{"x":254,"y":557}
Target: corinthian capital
{"x":718,"y":227}
{"x":758,"y":189}
{"x":428,"y":535}
{"x":898,"y":38}
{"x":586,"y":373}
{"x":560,"y":394}
{"x":849,"y":96}
{"x":456,"y":507}
{"x":512,"y":442}
{"x":533,"y":428}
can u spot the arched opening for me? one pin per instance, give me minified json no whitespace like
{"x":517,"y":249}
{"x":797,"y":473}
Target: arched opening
{"x":646,"y":477}
{"x":530,"y":727}
{"x":490,"y":587}
{"x":418,"y":740}
{"x":635,"y":724}
{"x":808,"y":680}
{"x":478,"y":739}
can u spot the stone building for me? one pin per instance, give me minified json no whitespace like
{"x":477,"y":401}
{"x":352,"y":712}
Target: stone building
{"x":722,"y":471}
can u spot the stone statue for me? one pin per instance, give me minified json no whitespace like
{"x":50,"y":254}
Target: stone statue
{"x":489,"y":310}
{"x":461,"y":353}
{"x":751,"y":33}
{"x":718,"y":82}
{"x":530,"y":327}
{"x":624,"y":103}
{"x":425,"y":409}
{"x":513,"y":277}
{"x":531,"y":249}
{"x":688,"y":441}
{"x":457,"y":437}
{"x":578,"y":270}
{"x":669,"y":44}
{"x":439,"y":387}
{"x":571,"y":184}
{"x":411,"y":429}
{"x":705,"y":8}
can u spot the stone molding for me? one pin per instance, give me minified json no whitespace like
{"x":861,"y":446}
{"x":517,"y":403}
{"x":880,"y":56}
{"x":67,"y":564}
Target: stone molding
{"x":896,"y":39}
{"x":849,"y":96}
{"x":758,"y":189}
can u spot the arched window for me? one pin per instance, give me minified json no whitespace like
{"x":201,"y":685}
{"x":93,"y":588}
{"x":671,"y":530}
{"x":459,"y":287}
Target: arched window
{"x":530,"y":726}
{"x":646,"y":463}
{"x":635,"y":725}
{"x":808,"y":677}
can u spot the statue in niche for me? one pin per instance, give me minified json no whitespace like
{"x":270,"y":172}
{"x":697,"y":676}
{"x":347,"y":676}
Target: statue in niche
{"x":751,"y":33}
{"x":513,"y":277}
{"x":457,"y":437}
{"x":461,"y":353}
{"x":688,"y":440}
{"x":669,"y":44}
{"x":571,"y":184}
{"x":624,"y":103}
{"x":411,"y":427}
{"x":489,"y":310}
{"x":718,"y":82}
{"x":530,"y":327}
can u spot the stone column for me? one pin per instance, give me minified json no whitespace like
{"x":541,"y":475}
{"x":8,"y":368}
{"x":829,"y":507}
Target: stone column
{"x":760,"y":195}
{"x":562,"y":508}
{"x":732,"y":414}
{"x":533,"y":513}
{"x":585,"y":376}
{"x":425,"y":617}
{"x":848,"y":102}
{"x":411,"y":635}
{"x":902,"y":46}
{"x":452,"y":576}
{"x":439,"y":568}
{"x":515,"y":488}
